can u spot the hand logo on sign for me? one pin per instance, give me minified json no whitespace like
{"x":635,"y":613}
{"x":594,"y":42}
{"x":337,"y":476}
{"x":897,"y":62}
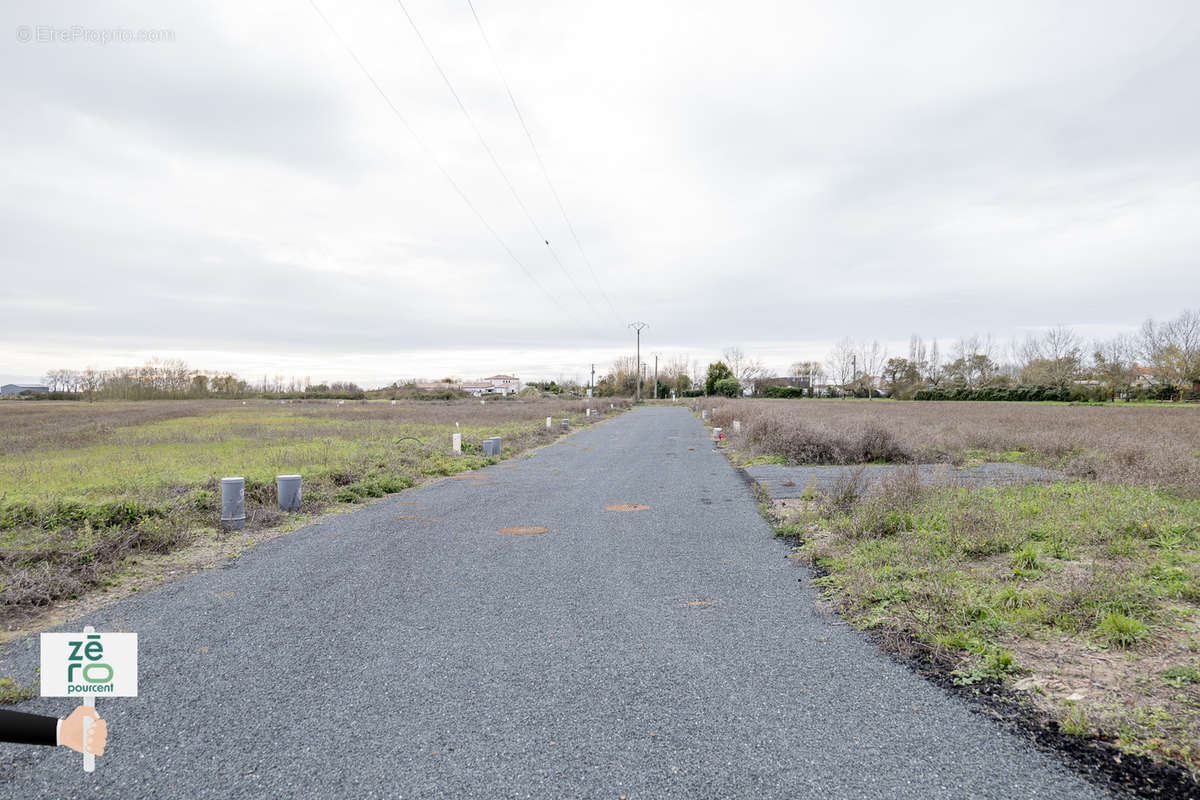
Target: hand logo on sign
{"x":71,"y":733}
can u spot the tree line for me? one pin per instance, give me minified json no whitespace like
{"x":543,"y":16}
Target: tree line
{"x":174,"y":379}
{"x":1158,"y":361}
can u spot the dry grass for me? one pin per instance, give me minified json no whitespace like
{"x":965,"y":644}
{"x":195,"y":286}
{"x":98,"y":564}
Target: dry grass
{"x":85,"y":486}
{"x":1153,"y":446}
{"x":30,"y":425}
{"x":1085,"y":595}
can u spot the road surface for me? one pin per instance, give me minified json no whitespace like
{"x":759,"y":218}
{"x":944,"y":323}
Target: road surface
{"x":410,"y":650}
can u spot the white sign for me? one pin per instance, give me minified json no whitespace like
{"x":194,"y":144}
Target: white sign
{"x":98,"y":664}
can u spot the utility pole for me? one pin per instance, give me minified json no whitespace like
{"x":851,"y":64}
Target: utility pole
{"x":854,"y":379}
{"x":656,"y":376}
{"x":592,"y":385}
{"x":637,"y":364}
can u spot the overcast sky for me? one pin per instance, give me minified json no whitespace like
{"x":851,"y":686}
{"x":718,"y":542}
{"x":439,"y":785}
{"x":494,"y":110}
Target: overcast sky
{"x":769,"y":175}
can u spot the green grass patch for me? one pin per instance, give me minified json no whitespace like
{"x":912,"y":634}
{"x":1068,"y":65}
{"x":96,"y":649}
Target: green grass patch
{"x":987,"y":576}
{"x":768,"y":459}
{"x":132,"y":478}
{"x":12,"y":691}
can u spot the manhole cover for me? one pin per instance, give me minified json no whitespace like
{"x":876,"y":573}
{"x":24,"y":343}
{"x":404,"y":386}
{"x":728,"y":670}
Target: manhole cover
{"x":520,"y":530}
{"x":627,"y":507}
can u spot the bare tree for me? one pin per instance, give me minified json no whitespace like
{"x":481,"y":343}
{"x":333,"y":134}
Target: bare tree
{"x":840,"y":363}
{"x":871,"y":358}
{"x":1054,"y":358}
{"x":1114,"y":362}
{"x":54,"y":379}
{"x":744,"y":368}
{"x":933,"y":367}
{"x":1173,"y":348}
{"x":90,"y":381}
{"x":807,"y":369}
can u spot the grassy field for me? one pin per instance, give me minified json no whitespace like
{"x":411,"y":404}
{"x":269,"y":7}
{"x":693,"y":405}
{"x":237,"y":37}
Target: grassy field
{"x":1083,"y":595}
{"x":1138,"y":444}
{"x":85,"y":486}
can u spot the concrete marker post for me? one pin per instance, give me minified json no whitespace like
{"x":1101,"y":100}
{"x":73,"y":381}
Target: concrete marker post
{"x":288,"y":491}
{"x":233,"y":503}
{"x":548,"y":419}
{"x":456,"y":443}
{"x":737,"y":426}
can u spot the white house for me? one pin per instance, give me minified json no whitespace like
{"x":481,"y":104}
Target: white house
{"x":476,"y":388}
{"x":1144,"y":378}
{"x":504,"y":384}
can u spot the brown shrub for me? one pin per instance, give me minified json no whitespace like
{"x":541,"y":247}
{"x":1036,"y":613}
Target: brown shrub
{"x":1148,"y":445}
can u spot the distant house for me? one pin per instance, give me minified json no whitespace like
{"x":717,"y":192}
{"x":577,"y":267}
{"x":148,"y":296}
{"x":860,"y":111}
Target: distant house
{"x":504,"y":384}
{"x":23,"y":388}
{"x":477,"y":388}
{"x":1144,"y":378}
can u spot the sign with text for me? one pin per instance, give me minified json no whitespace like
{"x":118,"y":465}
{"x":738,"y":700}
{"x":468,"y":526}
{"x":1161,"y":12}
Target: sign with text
{"x":100,"y":664}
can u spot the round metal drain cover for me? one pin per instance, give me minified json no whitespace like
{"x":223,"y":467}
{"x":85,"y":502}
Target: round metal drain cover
{"x":627,"y":507}
{"x":521,"y":530}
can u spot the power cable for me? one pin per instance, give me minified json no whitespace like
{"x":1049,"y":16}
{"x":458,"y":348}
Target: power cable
{"x":491,"y":155}
{"x":429,"y":154}
{"x":538,"y":156}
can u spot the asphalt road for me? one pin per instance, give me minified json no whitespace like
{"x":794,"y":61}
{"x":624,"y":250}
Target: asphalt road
{"x":412,"y":651}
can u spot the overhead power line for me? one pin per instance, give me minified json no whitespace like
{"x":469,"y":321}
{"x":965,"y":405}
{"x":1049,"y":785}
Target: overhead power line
{"x":491,"y":155}
{"x":538,"y":156}
{"x":429,"y":154}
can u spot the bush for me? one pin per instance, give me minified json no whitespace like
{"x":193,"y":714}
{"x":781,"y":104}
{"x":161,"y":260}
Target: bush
{"x":717,"y":371}
{"x":729,"y":387}
{"x":1164,"y":391}
{"x":347,"y":494}
{"x":75,"y":514}
{"x":800,"y":443}
{"x":1020,"y":393}
{"x":784,"y":392}
{"x":376,"y":486}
